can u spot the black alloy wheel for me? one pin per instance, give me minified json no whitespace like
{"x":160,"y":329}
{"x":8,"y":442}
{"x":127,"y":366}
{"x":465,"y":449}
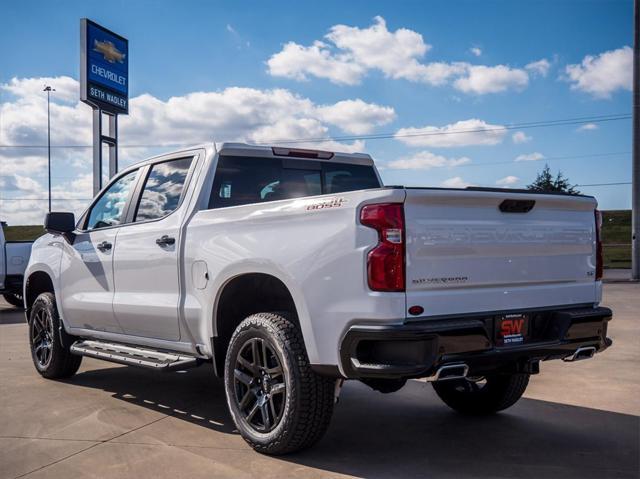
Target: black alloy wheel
{"x":41,"y":331}
{"x":259,"y":385}
{"x":49,"y":342}
{"x":276,"y":400}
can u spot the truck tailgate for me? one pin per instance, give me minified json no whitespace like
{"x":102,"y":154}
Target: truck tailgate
{"x":464,"y":254}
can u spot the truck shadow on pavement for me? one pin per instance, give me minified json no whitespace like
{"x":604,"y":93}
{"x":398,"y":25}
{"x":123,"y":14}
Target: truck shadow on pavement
{"x":410,"y":433}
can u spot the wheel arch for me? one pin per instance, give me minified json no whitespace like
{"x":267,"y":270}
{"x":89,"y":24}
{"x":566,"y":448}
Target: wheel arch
{"x":243,"y":295}
{"x":37,"y":282}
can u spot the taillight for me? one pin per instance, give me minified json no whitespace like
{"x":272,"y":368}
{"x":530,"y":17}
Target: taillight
{"x":385,"y":262}
{"x":599,"y":259}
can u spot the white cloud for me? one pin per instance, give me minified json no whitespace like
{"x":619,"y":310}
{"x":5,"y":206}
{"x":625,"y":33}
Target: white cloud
{"x":540,"y":67}
{"x":602,"y":74}
{"x":353,"y":51}
{"x":425,"y":160}
{"x":471,"y":132}
{"x":520,"y":137}
{"x":238,"y":39}
{"x":395,"y":53}
{"x":24,"y":200}
{"x":297,"y":62}
{"x":232,"y":114}
{"x":66,"y":88}
{"x":587,"y":127}
{"x":241,"y":114}
{"x":356,"y":116}
{"x":347,"y":53}
{"x":245,"y":114}
{"x":530,"y":157}
{"x":475,"y":51}
{"x":455,"y":182}
{"x":481,"y":79}
{"x":24,"y":117}
{"x":27,"y":163}
{"x":24,"y":183}
{"x":507,"y":180}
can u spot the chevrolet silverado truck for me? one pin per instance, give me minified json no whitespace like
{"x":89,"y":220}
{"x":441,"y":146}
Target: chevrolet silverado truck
{"x":291,"y":270}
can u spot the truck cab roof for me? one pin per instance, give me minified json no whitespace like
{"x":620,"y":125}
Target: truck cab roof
{"x":263,"y":151}
{"x":244,"y":149}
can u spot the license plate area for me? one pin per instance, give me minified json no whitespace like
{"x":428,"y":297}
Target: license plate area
{"x":511,"y":329}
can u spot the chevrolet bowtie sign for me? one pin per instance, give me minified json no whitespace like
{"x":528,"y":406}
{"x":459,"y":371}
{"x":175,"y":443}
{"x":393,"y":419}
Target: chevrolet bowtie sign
{"x":104,"y":68}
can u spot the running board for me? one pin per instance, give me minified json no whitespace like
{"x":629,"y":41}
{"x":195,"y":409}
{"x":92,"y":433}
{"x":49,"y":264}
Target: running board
{"x":134,"y":355}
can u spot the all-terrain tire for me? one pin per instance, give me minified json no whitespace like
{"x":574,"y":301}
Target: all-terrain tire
{"x":49,"y":342}
{"x":14,"y":299}
{"x":496,"y":393}
{"x":306,"y":399}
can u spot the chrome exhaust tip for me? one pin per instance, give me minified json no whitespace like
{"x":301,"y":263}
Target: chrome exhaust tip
{"x":581,"y":353}
{"x":450,"y":371}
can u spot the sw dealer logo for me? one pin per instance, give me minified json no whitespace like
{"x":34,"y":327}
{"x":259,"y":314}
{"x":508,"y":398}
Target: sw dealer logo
{"x":512,"y":329}
{"x":512,"y":326}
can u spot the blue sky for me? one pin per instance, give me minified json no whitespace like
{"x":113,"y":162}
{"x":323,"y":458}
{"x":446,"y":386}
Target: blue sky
{"x":178,"y":48}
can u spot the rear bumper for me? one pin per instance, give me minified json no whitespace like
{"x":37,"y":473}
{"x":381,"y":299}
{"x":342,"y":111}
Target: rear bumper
{"x":418,"y":348}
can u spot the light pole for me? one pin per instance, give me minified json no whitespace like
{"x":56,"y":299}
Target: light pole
{"x":48,"y":89}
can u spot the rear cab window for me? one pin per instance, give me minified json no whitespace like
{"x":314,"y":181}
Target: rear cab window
{"x":243,"y":180}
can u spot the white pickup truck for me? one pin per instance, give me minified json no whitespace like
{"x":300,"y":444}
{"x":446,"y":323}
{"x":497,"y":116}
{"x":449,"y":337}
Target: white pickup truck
{"x":291,"y":270}
{"x":14,"y":256}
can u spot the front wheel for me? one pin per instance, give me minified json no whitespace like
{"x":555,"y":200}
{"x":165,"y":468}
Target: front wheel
{"x":277,"y":402}
{"x":483,"y":396}
{"x":51,"y":356}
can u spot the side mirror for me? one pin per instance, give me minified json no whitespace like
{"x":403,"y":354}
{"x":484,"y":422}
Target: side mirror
{"x":59,"y":222}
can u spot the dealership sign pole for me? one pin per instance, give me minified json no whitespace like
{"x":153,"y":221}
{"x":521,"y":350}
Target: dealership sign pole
{"x":104,"y":84}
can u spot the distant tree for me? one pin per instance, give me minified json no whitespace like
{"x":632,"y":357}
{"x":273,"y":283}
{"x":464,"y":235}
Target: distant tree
{"x":545,"y":181}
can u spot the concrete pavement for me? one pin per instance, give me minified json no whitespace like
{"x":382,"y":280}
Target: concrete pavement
{"x":109,"y":421}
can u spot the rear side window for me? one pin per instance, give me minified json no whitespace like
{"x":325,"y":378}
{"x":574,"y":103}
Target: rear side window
{"x":246,"y":180}
{"x":163,"y":189}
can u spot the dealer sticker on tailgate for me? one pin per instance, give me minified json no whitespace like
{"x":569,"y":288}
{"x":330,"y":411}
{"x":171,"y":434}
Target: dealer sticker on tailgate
{"x":511,"y":329}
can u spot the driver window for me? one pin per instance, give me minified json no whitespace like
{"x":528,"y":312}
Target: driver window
{"x":109,"y":209}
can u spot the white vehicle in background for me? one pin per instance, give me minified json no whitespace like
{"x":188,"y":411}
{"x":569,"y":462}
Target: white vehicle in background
{"x":292,"y":270}
{"x":14,"y":257}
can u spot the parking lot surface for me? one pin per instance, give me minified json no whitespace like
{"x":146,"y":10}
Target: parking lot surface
{"x":110,"y":421}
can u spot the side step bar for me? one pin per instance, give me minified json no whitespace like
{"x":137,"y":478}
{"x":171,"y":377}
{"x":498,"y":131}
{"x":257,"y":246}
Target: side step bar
{"x":134,"y":355}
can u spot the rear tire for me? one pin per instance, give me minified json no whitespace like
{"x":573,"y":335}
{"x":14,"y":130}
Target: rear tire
{"x":14,"y":299}
{"x":50,"y":344}
{"x":277,"y":402}
{"x":495,"y":393}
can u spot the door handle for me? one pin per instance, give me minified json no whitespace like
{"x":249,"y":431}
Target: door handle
{"x":104,"y":246}
{"x":165,"y":240}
